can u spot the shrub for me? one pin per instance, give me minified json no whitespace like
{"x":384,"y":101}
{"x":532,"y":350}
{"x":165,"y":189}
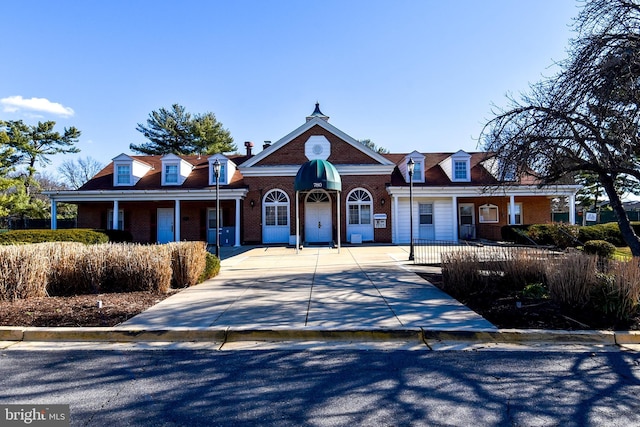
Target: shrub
{"x":40,"y":236}
{"x":516,"y":234}
{"x":211,"y":268}
{"x":557,"y":234}
{"x":601,"y":248}
{"x":609,"y":232}
{"x":188,"y":260}
{"x":117,"y":236}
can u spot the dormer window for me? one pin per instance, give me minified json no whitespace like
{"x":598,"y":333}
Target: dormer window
{"x":227,"y":169}
{"x":460,"y":170}
{"x":171,"y":174}
{"x":223,"y":173}
{"x":127,"y":171}
{"x":418,"y":167}
{"x":123,"y":174}
{"x":175,"y":170}
{"x":457,"y":167}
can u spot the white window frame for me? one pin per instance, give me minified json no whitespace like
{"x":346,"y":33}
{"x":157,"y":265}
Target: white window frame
{"x":425,"y":214}
{"x":518,"y":213}
{"x":224,"y":167}
{"x":280,"y":208}
{"x":117,"y":175}
{"x":356,"y":200}
{"x":487,"y":219}
{"x":165,"y":174}
{"x":110,"y":220}
{"x":455,"y":170}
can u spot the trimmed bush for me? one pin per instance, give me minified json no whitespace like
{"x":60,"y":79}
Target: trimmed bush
{"x":41,"y":236}
{"x":601,"y":248}
{"x":211,"y":268}
{"x":609,"y":232}
{"x":117,"y":236}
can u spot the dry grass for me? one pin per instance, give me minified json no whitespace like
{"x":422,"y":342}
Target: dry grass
{"x":571,"y":279}
{"x":65,"y":268}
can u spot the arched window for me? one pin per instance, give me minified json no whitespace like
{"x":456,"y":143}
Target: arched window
{"x":359,"y":204}
{"x":276,"y":208}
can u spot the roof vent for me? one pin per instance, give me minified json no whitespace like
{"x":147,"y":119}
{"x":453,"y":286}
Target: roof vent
{"x":266,"y":145}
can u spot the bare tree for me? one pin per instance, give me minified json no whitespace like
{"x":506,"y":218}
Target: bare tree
{"x":76,"y":173}
{"x":586,"y":119}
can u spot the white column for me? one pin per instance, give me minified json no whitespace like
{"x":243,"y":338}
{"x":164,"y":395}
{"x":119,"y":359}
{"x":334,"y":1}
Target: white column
{"x":394,"y":223}
{"x":116,"y":209}
{"x":339,"y":225}
{"x":572,"y":209}
{"x":454,"y":202}
{"x":512,"y":206}
{"x":54,"y":214}
{"x":176,"y":222}
{"x":237,"y":222}
{"x":297,"y":224}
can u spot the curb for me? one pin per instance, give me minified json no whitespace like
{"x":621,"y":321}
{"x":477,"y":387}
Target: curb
{"x":513,"y":336}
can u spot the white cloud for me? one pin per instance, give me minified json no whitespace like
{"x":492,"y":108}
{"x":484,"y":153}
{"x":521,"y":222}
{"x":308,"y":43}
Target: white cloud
{"x":13,"y":104}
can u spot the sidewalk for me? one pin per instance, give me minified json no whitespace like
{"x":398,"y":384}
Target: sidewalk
{"x":273,"y":288}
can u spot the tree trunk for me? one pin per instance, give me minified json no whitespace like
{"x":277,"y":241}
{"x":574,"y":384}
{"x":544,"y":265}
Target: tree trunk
{"x":624,"y":224}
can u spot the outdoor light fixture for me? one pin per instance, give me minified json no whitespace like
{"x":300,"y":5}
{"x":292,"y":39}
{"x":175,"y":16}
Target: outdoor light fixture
{"x":410,"y":165}
{"x":252,"y":203}
{"x":382,"y":202}
{"x":216,"y":173}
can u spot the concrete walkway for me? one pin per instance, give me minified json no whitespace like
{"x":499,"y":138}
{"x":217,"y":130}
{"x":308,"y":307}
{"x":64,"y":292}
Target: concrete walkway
{"x":370,"y":288}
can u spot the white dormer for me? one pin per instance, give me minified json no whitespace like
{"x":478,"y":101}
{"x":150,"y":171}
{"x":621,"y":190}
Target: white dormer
{"x":227,"y":169}
{"x":418,"y":166}
{"x":500,"y":169}
{"x":457,"y":166}
{"x":127,"y":171}
{"x":175,"y":170}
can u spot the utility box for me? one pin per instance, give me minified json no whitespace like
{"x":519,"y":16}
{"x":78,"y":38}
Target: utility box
{"x":380,"y":220}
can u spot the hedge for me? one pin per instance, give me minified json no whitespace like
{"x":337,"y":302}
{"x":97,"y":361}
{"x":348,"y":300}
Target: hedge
{"x":40,"y":236}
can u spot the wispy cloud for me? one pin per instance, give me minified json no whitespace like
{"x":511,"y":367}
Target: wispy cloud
{"x":14,"y":104}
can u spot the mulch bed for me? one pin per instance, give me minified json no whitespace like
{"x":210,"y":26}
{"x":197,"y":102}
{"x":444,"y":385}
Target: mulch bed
{"x":79,"y":310}
{"x":503,"y":310}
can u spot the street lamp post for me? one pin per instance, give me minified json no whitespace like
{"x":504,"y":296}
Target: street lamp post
{"x":216,"y":173}
{"x":410,"y":165}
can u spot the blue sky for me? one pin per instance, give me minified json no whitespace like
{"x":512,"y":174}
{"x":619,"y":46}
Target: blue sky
{"x":409,"y":75}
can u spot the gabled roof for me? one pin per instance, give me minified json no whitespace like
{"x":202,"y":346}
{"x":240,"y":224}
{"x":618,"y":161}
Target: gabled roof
{"x":315,"y":121}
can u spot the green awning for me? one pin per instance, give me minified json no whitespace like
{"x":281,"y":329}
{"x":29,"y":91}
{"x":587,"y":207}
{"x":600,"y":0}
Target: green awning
{"x":318,"y":174}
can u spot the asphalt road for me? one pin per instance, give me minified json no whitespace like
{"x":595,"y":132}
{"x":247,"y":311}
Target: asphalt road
{"x":328,"y":388}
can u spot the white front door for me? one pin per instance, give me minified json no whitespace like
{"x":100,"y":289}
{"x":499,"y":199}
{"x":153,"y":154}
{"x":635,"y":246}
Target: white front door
{"x":426,"y":229}
{"x":467,"y":221}
{"x":165,"y":225}
{"x":318,"y":226}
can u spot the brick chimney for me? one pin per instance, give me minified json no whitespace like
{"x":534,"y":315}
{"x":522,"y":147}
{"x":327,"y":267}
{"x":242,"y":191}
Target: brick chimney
{"x":249,"y":146}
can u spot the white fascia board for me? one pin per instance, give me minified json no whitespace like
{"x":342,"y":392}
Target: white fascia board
{"x":305,"y":127}
{"x":292,"y":170}
{"x":145,"y":195}
{"x":286,"y":170}
{"x":525,"y":190}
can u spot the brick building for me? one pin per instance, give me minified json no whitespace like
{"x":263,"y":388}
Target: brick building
{"x":316,"y":184}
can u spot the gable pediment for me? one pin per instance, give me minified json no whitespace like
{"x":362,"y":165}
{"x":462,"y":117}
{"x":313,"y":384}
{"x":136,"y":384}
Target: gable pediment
{"x":319,"y":136}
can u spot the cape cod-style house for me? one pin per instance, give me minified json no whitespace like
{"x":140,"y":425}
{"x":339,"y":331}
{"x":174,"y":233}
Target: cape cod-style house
{"x":315,"y":185}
